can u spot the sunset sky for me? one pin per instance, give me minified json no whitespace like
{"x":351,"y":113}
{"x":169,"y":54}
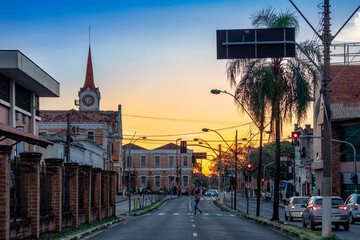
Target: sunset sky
{"x":156,"y":58}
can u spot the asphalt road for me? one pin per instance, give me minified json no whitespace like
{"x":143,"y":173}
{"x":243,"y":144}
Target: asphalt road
{"x":175,"y":220}
{"x":266,"y":211}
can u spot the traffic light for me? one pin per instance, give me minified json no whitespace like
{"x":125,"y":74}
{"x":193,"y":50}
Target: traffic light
{"x":249,"y":166}
{"x":262,"y":181}
{"x":183,"y":147}
{"x":354,"y":179}
{"x":313,"y":181}
{"x":303,"y":152}
{"x":295,"y":138}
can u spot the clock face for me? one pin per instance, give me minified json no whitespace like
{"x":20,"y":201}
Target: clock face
{"x":88,"y":100}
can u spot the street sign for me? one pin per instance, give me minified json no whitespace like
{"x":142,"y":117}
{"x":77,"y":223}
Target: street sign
{"x":294,"y":183}
{"x":308,"y":176}
{"x":270,"y":179}
{"x":199,"y":155}
{"x":255,"y":43}
{"x":248,"y":185}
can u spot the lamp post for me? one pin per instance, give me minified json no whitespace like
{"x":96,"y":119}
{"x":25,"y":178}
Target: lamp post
{"x":218,"y":155}
{"x":261,"y":129}
{"x":129,"y":165}
{"x":231,"y":174}
{"x":177,"y":163}
{"x":219,"y":150}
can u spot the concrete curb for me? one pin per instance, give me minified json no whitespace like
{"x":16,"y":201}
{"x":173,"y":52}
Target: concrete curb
{"x":94,"y":230}
{"x":142,"y":212}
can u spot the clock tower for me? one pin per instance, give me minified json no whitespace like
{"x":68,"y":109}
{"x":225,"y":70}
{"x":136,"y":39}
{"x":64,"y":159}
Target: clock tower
{"x":89,"y":95}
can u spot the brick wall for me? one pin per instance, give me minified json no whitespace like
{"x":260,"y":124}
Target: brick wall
{"x":30,"y":165}
{"x":4,"y":192}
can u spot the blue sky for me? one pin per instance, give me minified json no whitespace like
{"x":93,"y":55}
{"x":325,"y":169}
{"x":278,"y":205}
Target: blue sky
{"x":156,"y":58}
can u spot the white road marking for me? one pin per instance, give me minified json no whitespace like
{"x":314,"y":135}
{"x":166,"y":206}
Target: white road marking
{"x":190,"y":205}
{"x":163,"y":205}
{"x":148,"y":214}
{"x":175,"y":214}
{"x":232,"y":215}
{"x":219,"y":214}
{"x":194,"y":234}
{"x":189,"y":214}
{"x":192,"y":220}
{"x":193,"y":225}
{"x":206,"y":214}
{"x":160,"y":214}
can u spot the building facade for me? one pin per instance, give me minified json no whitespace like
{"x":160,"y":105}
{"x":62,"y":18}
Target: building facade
{"x":345,"y":107}
{"x":162,"y":168}
{"x":93,"y":136}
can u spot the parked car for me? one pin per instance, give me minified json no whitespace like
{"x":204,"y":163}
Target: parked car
{"x":295,"y":207}
{"x":211,"y":193}
{"x":312,"y":214}
{"x":352,"y":202}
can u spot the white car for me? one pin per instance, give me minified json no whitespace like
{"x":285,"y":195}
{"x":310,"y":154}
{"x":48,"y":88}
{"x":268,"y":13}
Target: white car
{"x":295,"y":207}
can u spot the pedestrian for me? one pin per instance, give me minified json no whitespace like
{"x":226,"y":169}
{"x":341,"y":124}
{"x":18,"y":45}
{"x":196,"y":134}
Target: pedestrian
{"x":140,"y":190}
{"x":187,"y":192}
{"x":179,"y":190}
{"x":196,"y":203}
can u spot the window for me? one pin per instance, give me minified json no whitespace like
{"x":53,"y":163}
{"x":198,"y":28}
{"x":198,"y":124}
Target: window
{"x":185,"y":161}
{"x":143,"y":181}
{"x":4,"y":89}
{"x":142,"y":161}
{"x":157,"y":161}
{"x":22,"y":98}
{"x":185,"y":181}
{"x":157,"y":181}
{"x":91,"y":136}
{"x":171,"y":161}
{"x":350,"y":134}
{"x":128,"y":161}
{"x":37,"y":106}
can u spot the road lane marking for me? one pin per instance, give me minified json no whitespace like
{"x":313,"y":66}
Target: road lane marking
{"x":160,"y":214}
{"x":190,"y":205}
{"x":192,"y":220}
{"x":189,"y":214}
{"x":193,"y":225}
{"x":206,"y":214}
{"x":148,"y":214}
{"x":232,"y":215}
{"x":194,"y":234}
{"x":219,"y":214}
{"x":175,"y":214}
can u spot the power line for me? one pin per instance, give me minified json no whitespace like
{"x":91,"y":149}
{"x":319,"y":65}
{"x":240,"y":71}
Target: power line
{"x":181,"y":120}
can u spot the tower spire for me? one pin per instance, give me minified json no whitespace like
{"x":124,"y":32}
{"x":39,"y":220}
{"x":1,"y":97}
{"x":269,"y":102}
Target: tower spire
{"x":89,"y":79}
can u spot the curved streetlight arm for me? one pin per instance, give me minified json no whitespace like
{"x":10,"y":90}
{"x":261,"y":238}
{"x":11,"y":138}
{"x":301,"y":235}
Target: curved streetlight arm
{"x":202,"y":140}
{"x":207,"y":129}
{"x":237,"y":100}
{"x":340,"y":141}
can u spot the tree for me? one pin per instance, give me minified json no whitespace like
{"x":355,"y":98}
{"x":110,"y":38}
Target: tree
{"x":278,"y":87}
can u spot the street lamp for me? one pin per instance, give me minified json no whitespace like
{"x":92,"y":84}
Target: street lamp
{"x":177,"y":163}
{"x":261,"y":129}
{"x":206,"y":130}
{"x":129,"y":165}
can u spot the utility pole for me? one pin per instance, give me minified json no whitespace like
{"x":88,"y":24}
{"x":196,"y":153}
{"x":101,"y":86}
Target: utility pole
{"x":326,"y":131}
{"x":258,"y":192}
{"x":236,"y":153}
{"x":219,"y":180}
{"x":68,"y":137}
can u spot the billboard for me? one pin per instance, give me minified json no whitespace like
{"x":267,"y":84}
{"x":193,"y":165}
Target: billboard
{"x":255,"y":43}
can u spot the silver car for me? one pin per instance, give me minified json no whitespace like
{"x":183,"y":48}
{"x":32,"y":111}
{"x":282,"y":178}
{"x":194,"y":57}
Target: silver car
{"x":312,"y":214}
{"x":295,"y":207}
{"x":352,"y":202}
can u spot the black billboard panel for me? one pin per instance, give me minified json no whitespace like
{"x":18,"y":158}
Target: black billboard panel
{"x":255,"y":43}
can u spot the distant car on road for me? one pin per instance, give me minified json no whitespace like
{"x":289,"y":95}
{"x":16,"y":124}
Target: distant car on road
{"x":312,"y":214}
{"x":211,"y":193}
{"x":352,"y":202}
{"x":295,"y":207}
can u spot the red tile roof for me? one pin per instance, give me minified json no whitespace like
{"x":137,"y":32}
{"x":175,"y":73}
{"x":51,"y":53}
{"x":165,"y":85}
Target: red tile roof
{"x":108,"y":117}
{"x":168,"y":147}
{"x":133,"y":147}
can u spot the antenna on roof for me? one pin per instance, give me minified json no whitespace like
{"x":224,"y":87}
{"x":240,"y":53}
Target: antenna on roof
{"x":89,"y":35}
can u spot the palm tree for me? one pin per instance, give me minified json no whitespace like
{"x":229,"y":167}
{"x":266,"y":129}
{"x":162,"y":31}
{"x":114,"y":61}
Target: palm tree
{"x":277,"y":88}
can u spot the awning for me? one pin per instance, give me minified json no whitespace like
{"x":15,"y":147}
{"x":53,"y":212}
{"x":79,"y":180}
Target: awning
{"x":20,"y":136}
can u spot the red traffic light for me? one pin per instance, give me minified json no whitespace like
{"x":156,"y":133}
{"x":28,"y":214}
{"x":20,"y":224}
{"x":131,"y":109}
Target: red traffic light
{"x":249,"y":165}
{"x":263,"y":180}
{"x":295,"y":135}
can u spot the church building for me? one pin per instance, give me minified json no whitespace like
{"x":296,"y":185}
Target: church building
{"x":88,"y":136}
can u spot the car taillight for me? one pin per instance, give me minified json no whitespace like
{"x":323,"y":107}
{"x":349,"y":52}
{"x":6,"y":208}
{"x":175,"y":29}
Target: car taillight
{"x":343,"y":208}
{"x":292,"y":206}
{"x":356,"y":206}
{"x":316,"y":208}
